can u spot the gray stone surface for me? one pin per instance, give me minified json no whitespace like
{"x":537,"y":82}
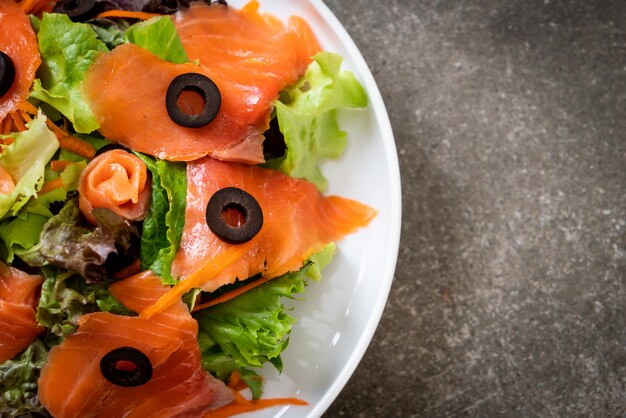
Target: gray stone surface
{"x":510,"y":292}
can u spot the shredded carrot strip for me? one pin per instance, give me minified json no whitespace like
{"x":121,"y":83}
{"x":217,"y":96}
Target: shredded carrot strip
{"x":239,"y":408}
{"x":27,"y":107}
{"x":127,"y":14}
{"x":43,"y":6}
{"x":239,"y":398}
{"x":57,"y":131}
{"x":200,"y":276}
{"x":7,"y":141}
{"x":232,"y":294}
{"x":77,"y":146}
{"x":5,"y":125}
{"x":25,"y":116}
{"x":19,"y":123}
{"x":27,"y":5}
{"x":59,"y":165}
{"x":131,"y":269}
{"x":235,"y":376}
{"x":51,"y":185}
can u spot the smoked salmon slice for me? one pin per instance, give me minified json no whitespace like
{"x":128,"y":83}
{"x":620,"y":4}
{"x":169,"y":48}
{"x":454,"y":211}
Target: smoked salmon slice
{"x":297,"y":222}
{"x":249,"y":56}
{"x":72,"y":385}
{"x":18,"y":325}
{"x":116,"y":180}
{"x":19,"y":42}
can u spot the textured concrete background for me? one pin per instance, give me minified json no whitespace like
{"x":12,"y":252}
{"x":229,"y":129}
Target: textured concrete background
{"x":510,"y":293}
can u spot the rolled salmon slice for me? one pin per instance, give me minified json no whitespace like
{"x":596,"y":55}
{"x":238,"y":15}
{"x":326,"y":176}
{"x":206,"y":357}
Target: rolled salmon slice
{"x":18,"y":324}
{"x":116,"y":180}
{"x":72,"y":385}
{"x":297,"y":222}
{"x":19,"y":42}
{"x":249,"y":56}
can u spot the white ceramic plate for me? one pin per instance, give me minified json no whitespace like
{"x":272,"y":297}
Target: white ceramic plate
{"x":338,"y":318}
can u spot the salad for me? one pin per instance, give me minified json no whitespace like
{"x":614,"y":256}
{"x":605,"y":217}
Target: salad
{"x":160,"y":199}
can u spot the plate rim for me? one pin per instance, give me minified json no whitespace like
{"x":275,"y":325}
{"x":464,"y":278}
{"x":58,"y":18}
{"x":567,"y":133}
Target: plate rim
{"x":391,"y":156}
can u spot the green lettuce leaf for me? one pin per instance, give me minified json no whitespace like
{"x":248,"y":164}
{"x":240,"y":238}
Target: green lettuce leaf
{"x":158,"y":35}
{"x":164,"y":223}
{"x":307,"y":117}
{"x":254,"y":327}
{"x":66,"y":296}
{"x":18,"y":381}
{"x":25,"y":160}
{"x":67,"y":50}
{"x":67,"y":241}
{"x":110,"y":31}
{"x":21,"y":233}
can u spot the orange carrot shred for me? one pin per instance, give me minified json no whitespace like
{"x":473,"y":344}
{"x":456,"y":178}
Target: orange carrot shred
{"x":57,"y":131}
{"x":235,"y":376}
{"x":27,"y":5}
{"x":25,"y":116}
{"x":239,"y":408}
{"x":19,"y":123}
{"x":197,"y":278}
{"x":127,"y":14}
{"x":4,"y":128}
{"x":232,"y":294}
{"x":59,"y":165}
{"x":77,"y":146}
{"x":27,"y":107}
{"x":51,"y":185}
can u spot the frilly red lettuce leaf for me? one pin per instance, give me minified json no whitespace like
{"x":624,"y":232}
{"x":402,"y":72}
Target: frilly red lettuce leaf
{"x":69,"y":242}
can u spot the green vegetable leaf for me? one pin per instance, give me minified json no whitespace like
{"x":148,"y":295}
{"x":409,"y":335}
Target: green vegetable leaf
{"x":66,"y":296}
{"x":67,"y":50}
{"x":158,"y":35}
{"x":110,"y":31}
{"x":21,"y":233}
{"x":164,"y":223}
{"x":254,"y":327}
{"x":67,"y":241}
{"x":25,"y":160}
{"x":307,"y":117}
{"x":18,"y":381}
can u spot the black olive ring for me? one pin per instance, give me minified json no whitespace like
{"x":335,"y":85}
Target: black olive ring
{"x":245,"y":203}
{"x":200,"y":84}
{"x":141,"y":374}
{"x":7,"y":73}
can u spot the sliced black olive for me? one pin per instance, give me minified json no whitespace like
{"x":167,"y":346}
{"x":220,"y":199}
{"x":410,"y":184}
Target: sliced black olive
{"x":111,"y":147}
{"x":7,"y":73}
{"x":274,"y":145}
{"x":75,"y":9}
{"x":113,"y":370}
{"x":200,"y":84}
{"x":232,"y":198}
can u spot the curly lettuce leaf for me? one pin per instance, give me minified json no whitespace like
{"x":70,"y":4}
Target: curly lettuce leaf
{"x":307,"y":117}
{"x":253,"y":328}
{"x":65,"y":297}
{"x":21,"y":233}
{"x":18,"y":381}
{"x":110,"y":31}
{"x":158,"y":35}
{"x":67,"y":51}
{"x":164,"y":223}
{"x":67,"y":241}
{"x":25,"y":160}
